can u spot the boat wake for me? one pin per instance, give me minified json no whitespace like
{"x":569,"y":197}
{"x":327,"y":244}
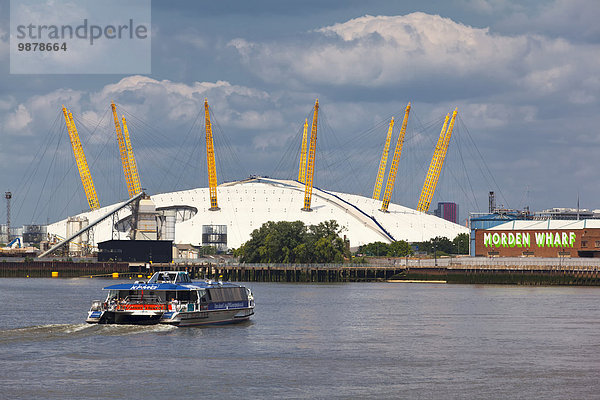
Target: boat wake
{"x":71,"y":331}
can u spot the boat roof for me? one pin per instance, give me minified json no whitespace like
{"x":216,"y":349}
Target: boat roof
{"x":169,"y":286}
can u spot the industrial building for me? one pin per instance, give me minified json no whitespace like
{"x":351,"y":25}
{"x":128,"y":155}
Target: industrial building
{"x":547,"y":238}
{"x":136,"y":251}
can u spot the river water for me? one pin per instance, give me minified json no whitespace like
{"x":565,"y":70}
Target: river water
{"x":354,"y":340}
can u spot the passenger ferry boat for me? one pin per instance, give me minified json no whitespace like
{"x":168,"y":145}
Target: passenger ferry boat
{"x":170,"y":297}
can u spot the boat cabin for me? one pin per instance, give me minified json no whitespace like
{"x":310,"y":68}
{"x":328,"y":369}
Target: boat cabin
{"x":176,"y":277}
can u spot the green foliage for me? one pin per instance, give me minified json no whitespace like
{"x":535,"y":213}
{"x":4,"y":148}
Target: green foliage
{"x":444,"y":246}
{"x":359,"y":260}
{"x":207,"y":250}
{"x":374,"y":249}
{"x":461,"y":243}
{"x":293,"y":242}
{"x":399,"y":248}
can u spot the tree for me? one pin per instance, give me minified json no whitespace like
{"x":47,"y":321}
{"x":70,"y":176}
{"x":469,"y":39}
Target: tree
{"x":204,"y":250}
{"x":374,"y":249}
{"x":399,"y":248}
{"x":293,"y":242}
{"x":443,"y":245}
{"x":461,"y":243}
{"x":326,"y":244}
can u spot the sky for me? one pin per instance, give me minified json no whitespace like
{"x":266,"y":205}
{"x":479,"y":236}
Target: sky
{"x":524,"y":77}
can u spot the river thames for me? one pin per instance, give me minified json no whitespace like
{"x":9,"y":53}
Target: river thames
{"x":355,"y":340}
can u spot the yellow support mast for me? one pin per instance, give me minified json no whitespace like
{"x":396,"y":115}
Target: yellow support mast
{"x":389,"y":187}
{"x":210,"y":159}
{"x":123,"y":152}
{"x":427,"y":191}
{"x":80,"y":160}
{"x":310,"y":166}
{"x":437,"y":162}
{"x":383,"y":162}
{"x":302,"y":168}
{"x":135,"y":177}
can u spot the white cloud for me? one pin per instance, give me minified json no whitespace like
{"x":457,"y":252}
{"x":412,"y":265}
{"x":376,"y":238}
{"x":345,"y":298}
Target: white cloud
{"x":18,"y":120}
{"x":384,"y":51}
{"x":181,"y":103}
{"x":157,"y":102}
{"x":7,"y":102}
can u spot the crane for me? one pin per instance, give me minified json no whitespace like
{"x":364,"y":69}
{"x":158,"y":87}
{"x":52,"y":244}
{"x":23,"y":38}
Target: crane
{"x":437,"y":162}
{"x":310,"y":165}
{"x":383,"y":162}
{"x":210,"y":159}
{"x":80,"y":160}
{"x":302,"y":168}
{"x":389,"y":187}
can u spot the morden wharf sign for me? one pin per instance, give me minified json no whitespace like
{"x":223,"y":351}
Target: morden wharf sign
{"x":529,"y":239}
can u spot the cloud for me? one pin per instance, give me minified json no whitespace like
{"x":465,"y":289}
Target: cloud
{"x":529,"y":100}
{"x":7,"y":103}
{"x":419,"y":48}
{"x":238,"y":106}
{"x":161,"y":103}
{"x":194,"y":38}
{"x":575,"y":20}
{"x":18,"y":120}
{"x":4,"y":44}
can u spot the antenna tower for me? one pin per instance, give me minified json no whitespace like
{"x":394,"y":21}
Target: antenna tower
{"x":8,"y":196}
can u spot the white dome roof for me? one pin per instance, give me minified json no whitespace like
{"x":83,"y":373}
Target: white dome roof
{"x":246,"y":205}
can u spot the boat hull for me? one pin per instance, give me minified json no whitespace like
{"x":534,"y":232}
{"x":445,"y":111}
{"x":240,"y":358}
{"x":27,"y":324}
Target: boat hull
{"x":124,"y":318}
{"x":199,"y":318}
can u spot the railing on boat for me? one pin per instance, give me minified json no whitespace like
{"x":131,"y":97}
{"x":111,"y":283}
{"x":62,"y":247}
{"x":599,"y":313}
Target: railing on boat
{"x":141,"y":302}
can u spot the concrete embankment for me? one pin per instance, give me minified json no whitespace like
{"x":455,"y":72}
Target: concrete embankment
{"x":530,"y":272}
{"x":485,"y":274}
{"x":61,"y":269}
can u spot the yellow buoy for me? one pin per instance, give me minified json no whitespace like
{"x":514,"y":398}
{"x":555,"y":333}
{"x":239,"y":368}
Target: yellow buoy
{"x":115,"y":275}
{"x":55,"y":274}
{"x":140,"y":276}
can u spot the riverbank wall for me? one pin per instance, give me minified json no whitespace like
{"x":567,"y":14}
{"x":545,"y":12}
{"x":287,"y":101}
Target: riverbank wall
{"x":62,"y":269}
{"x":528,"y":272}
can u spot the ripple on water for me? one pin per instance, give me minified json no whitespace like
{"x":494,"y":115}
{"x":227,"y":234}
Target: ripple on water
{"x":41,"y":333}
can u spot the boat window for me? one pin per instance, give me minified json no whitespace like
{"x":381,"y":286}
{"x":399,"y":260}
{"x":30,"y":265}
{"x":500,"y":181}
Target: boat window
{"x":181,"y":295}
{"x":183,"y":277}
{"x":227,"y":294}
{"x":163,"y":277}
{"x":112,"y":294}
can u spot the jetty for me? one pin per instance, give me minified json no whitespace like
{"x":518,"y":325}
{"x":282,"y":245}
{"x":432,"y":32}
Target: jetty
{"x":461,"y":270}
